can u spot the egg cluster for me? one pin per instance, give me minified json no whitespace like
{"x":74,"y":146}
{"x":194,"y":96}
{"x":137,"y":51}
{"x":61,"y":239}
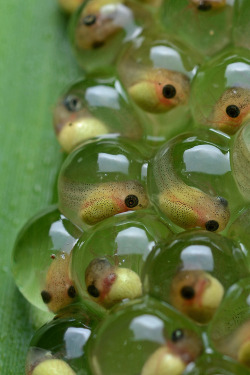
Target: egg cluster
{"x":146,"y":258}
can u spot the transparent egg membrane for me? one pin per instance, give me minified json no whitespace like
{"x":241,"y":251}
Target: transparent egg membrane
{"x":100,"y":179}
{"x":157,"y":72}
{"x":60,"y":344}
{"x":204,"y":25}
{"x":107,"y":261}
{"x":190,"y":181}
{"x":40,"y":260}
{"x":192,"y":271}
{"x":150,"y":334}
{"x":100,"y":28}
{"x":94,"y":107}
{"x":220,"y":95}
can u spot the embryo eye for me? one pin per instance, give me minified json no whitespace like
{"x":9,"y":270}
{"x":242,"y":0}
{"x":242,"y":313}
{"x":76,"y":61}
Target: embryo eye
{"x":93,"y":291}
{"x":187,"y":292}
{"x":72,"y":103}
{"x":168,"y":91}
{"x":89,"y":20}
{"x":212,"y":225}
{"x":233,"y":111}
{"x":177,"y":335}
{"x":131,"y":201}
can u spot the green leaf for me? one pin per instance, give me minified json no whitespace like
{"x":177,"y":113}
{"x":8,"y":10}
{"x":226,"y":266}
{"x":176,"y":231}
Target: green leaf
{"x":36,"y":64}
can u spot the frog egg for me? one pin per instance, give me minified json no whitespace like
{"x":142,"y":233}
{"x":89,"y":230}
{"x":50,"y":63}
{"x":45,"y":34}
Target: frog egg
{"x":69,"y":6}
{"x":58,"y":347}
{"x":45,"y":243}
{"x":214,"y":364}
{"x":220,"y":95}
{"x":100,"y":28}
{"x":83,"y":112}
{"x":153,"y":336}
{"x":107,"y":262}
{"x":100,"y":179}
{"x":240,"y":158}
{"x":157,"y":73}
{"x":230,"y":329}
{"x":203,"y":24}
{"x":192,"y":271}
{"x":187,"y":181}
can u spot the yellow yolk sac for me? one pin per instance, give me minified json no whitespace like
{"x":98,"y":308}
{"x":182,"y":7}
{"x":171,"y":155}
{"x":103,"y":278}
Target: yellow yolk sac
{"x":163,"y":362}
{"x":231,"y":110}
{"x":205,"y":5}
{"x":69,"y":6}
{"x":98,"y":22}
{"x":59,"y":290}
{"x":159,"y":90}
{"x":185,"y":205}
{"x":73,"y":123}
{"x":173,"y":357}
{"x":53,"y":367}
{"x":197,"y":294}
{"x":108,"y":284}
{"x":96,"y":202}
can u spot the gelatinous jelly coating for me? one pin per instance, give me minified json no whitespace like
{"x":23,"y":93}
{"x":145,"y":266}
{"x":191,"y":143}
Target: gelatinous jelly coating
{"x":84,"y":112}
{"x":148,"y":332}
{"x":220,"y":90}
{"x":159,"y":90}
{"x":203,"y":24}
{"x":185,"y":205}
{"x":58,"y":290}
{"x":231,"y":110}
{"x":62,"y":339}
{"x":192,"y":270}
{"x":69,"y":6}
{"x":36,"y":255}
{"x":214,"y":364}
{"x":107,"y":262}
{"x":230,"y":329}
{"x":100,"y":179}
{"x":101,"y":27}
{"x":108,"y":284}
{"x":240,"y":158}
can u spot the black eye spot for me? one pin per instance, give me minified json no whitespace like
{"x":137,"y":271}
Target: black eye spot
{"x":89,"y":20}
{"x":71,"y":292}
{"x":204,"y":6}
{"x":93,"y":291}
{"x":97,"y":44}
{"x":187,"y":292}
{"x":131,"y":201}
{"x":177,"y":335}
{"x":212,"y":225}
{"x":72,"y":103}
{"x":168,"y":91}
{"x":223,"y":201}
{"x":46,"y":296}
{"x":233,"y":111}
